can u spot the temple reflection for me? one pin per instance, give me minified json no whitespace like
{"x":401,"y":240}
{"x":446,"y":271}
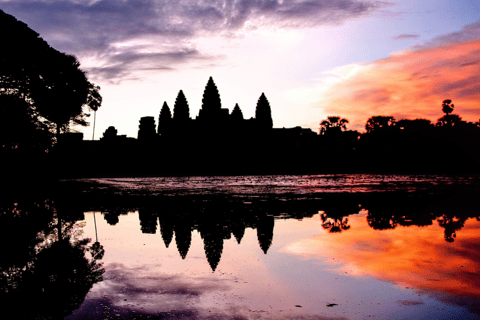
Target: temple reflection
{"x":372,"y":232}
{"x":219,"y":218}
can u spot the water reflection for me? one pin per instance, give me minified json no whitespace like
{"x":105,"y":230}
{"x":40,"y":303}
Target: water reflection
{"x":46,"y":269}
{"x":232,"y":254}
{"x":215,"y":223}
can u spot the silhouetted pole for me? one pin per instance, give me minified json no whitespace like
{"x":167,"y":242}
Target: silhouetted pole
{"x":95,"y":222}
{"x":93,"y":135}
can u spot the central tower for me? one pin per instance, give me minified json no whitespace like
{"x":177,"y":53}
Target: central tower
{"x":211,"y":112}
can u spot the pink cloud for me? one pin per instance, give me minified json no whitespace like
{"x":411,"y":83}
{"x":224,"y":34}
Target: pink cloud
{"x":411,"y":84}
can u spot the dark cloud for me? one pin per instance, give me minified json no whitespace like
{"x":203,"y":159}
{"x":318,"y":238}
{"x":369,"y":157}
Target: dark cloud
{"x":115,"y":66}
{"x":410,"y":302}
{"x":143,"y":292}
{"x":467,"y":87}
{"x":81,"y":27}
{"x":406,"y":36}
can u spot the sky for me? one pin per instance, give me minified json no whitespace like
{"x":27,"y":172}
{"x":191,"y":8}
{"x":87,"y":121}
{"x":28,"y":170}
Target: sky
{"x":312,"y":58}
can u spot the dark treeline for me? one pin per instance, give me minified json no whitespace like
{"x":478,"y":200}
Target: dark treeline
{"x":219,"y":143}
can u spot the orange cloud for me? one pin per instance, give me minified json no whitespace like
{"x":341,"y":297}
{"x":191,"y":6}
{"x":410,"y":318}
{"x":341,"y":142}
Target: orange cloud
{"x":410,"y":84}
{"x":424,"y":261}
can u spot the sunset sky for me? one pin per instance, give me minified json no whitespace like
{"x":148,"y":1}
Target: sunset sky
{"x":311,"y":58}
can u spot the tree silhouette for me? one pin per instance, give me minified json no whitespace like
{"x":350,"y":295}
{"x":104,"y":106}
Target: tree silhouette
{"x":110,"y":133}
{"x":20,"y":128}
{"x":334,"y":224}
{"x":50,"y":81}
{"x":416,"y":125}
{"x":164,"y":119}
{"x":52,"y":273}
{"x":449,"y":120}
{"x":333,"y":122}
{"x":181,"y":111}
{"x":379,"y":123}
{"x":236,"y":114}
{"x":62,"y":93}
{"x":451,"y":224}
{"x":447,"y":106}
{"x":263,"y":114}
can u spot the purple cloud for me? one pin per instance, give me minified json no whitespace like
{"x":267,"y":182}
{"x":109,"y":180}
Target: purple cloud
{"x":406,"y":36}
{"x":95,"y":27}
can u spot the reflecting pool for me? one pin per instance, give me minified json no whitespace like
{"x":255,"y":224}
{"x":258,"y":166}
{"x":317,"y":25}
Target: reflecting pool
{"x":255,"y":247}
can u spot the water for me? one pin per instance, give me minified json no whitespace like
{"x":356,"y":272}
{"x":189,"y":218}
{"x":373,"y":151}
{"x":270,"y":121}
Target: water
{"x":276,"y":247}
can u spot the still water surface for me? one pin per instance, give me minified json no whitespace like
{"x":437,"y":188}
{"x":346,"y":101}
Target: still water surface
{"x":283,"y":247}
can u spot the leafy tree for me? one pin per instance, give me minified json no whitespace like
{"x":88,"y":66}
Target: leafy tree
{"x":19,"y":127}
{"x":62,"y":92}
{"x":414,"y":125}
{"x":333,"y":122}
{"x":449,"y":120}
{"x":263,"y":113}
{"x":164,"y":119}
{"x":376,"y":123}
{"x":211,"y":97}
{"x":181,"y":111}
{"x":110,"y":133}
{"x":50,"y":81}
{"x":447,"y":106}
{"x":236,"y":114}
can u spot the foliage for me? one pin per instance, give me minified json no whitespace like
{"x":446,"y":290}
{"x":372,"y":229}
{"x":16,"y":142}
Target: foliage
{"x":447,"y":106}
{"x":449,"y":120}
{"x":51,"y":82}
{"x":20,"y":128}
{"x":54,"y":275}
{"x":333,"y":122}
{"x":414,"y":125}
{"x":379,"y":123}
{"x":110,"y":133}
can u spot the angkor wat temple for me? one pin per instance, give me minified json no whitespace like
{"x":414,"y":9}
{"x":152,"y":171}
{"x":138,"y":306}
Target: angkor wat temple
{"x":217,"y":141}
{"x":212,"y":122}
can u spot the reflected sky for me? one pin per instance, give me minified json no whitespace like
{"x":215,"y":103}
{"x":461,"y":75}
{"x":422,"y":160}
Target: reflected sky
{"x":246,"y":248}
{"x":307,"y":273}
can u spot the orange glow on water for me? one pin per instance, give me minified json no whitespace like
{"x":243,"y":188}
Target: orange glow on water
{"x":424,"y":261}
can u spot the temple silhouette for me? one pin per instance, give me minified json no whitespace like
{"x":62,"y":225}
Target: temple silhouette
{"x":220,"y":142}
{"x":210,"y":127}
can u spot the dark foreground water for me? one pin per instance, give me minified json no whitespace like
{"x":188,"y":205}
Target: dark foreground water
{"x":254,"y":247}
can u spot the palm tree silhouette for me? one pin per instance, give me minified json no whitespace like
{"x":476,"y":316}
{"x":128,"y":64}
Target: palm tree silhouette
{"x":333,"y":122}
